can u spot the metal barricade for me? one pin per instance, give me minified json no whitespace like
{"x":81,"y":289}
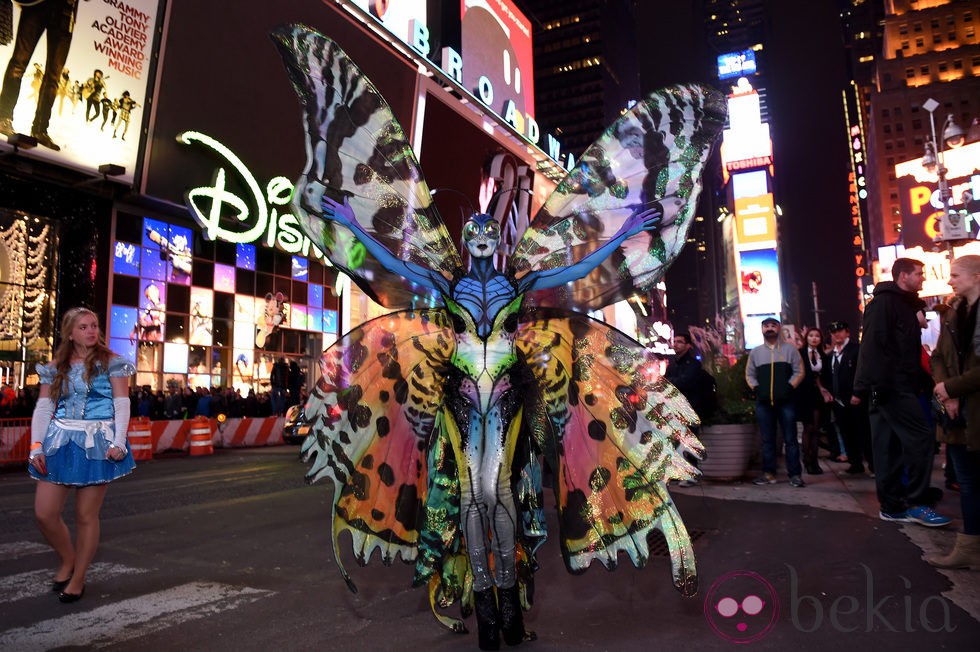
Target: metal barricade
{"x":15,"y":440}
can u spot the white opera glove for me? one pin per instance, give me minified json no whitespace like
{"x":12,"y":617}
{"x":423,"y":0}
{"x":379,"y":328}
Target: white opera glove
{"x":43,"y":412}
{"x":120,"y":406}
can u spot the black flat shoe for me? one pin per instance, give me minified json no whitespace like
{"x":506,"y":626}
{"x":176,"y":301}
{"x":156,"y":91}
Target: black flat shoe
{"x":68,"y":598}
{"x":58,"y":586}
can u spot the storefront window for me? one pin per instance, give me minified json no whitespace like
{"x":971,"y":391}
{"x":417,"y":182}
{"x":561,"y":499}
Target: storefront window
{"x":194,"y":313}
{"x":28,"y":259}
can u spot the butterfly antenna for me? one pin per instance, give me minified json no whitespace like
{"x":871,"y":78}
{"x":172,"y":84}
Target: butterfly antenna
{"x":492,"y":204}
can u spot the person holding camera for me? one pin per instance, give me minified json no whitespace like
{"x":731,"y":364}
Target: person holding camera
{"x":890,"y":373}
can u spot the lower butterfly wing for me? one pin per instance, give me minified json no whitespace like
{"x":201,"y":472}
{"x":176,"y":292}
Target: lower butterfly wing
{"x":372,"y":416}
{"x":652,"y":157}
{"x":615,"y":434}
{"x":357,"y":151}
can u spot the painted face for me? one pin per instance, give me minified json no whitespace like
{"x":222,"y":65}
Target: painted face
{"x":481,"y":235}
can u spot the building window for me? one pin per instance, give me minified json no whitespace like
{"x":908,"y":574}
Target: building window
{"x":937,"y":39}
{"x":898,"y":111}
{"x":924,"y":70}
{"x":889,"y":146}
{"x":935,"y":23}
{"x":899,"y":127}
{"x":905,"y":45}
{"x":900,"y":144}
{"x":903,"y":30}
{"x":909,"y":73}
{"x":887,"y":129}
{"x":885,"y":113}
{"x":890,"y":161}
{"x":970,"y":33}
{"x":967,"y":16}
{"x":943,"y":67}
{"x":917,"y":27}
{"x":917,"y":124}
{"x":957,"y":64}
{"x":919,"y":42}
{"x":951,"y":37}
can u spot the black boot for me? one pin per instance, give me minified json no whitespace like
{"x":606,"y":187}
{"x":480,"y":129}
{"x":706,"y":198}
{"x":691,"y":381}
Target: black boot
{"x":511,"y":615}
{"x":487,"y":619}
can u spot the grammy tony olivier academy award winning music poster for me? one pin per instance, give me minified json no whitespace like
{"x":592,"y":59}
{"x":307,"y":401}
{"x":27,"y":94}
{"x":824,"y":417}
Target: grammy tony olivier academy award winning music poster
{"x":76,"y":74}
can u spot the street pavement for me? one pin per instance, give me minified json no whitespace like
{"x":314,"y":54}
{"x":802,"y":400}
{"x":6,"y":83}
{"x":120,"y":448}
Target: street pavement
{"x":232,"y":552}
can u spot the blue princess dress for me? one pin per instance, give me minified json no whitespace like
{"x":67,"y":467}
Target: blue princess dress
{"x":78,"y":437}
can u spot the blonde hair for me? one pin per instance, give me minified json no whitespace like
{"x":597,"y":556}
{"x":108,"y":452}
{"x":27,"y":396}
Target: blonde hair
{"x":970,"y":262}
{"x":97,"y":358}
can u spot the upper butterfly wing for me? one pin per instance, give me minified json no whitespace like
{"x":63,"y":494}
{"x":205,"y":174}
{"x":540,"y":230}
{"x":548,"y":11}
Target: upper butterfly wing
{"x":614,"y":435}
{"x":652,"y":156}
{"x":356,"y":149}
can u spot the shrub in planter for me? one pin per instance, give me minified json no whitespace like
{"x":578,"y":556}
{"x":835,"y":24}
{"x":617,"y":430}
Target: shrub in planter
{"x":729,"y":433}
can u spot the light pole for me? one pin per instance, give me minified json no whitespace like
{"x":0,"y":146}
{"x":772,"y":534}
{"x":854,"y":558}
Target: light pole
{"x":952,"y":227}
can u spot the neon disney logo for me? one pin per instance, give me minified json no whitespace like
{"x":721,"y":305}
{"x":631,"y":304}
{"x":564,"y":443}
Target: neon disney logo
{"x":259,"y":213}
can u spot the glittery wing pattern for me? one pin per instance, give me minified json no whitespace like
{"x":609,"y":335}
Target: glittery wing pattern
{"x":614,"y":434}
{"x":651,"y":157}
{"x":373,"y":417}
{"x":358,"y":151}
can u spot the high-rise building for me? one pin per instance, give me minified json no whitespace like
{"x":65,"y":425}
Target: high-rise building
{"x":585,"y":67}
{"x":930,"y":49}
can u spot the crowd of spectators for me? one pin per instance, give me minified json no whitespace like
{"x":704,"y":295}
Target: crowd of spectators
{"x":174,"y":403}
{"x":187,"y":403}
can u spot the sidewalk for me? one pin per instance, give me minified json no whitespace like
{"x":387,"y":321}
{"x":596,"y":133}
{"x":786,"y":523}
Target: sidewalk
{"x":839,"y":492}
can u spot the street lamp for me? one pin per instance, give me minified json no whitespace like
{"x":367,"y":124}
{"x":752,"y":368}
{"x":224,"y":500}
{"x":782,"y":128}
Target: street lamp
{"x":951,"y":227}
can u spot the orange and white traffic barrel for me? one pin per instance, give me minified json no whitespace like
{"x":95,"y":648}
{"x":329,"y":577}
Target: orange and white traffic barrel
{"x":201,"y":437}
{"x":140,"y":438}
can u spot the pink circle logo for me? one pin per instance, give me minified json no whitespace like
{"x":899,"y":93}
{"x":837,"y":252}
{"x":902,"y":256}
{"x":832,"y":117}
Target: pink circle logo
{"x":741,"y":607}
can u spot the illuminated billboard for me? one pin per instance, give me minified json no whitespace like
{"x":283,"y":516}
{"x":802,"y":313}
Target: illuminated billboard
{"x":736,"y":64}
{"x":918,"y":194}
{"x":498,"y":63}
{"x":760,"y":294}
{"x":755,"y":222}
{"x":85,"y":108}
{"x":397,"y":17}
{"x":747,"y":144}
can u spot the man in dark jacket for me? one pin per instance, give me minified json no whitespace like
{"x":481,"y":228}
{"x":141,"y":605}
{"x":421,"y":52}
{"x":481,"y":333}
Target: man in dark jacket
{"x":685,"y":373}
{"x":774,"y":370}
{"x":850,"y":410}
{"x":890,"y":373}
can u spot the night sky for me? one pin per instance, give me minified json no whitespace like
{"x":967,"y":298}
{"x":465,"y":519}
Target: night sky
{"x":806,"y":71}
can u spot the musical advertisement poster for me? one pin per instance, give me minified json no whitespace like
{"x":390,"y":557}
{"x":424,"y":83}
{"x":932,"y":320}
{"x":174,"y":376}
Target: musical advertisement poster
{"x":75,"y":77}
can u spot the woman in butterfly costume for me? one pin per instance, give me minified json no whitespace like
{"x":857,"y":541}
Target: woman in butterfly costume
{"x":429,"y":419}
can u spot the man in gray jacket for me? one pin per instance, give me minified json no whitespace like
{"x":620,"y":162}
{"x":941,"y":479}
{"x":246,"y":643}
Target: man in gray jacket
{"x":773,"y":371}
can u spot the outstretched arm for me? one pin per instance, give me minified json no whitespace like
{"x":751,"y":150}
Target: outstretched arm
{"x":640,"y":220}
{"x":343,"y":214}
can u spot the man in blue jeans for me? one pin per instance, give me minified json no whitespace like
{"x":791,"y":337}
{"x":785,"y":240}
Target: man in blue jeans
{"x":773,"y":371}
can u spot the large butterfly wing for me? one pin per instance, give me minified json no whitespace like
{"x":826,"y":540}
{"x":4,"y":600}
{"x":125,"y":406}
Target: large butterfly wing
{"x":372,"y":415}
{"x":651,"y":157}
{"x":358,"y":151}
{"x":615,"y":434}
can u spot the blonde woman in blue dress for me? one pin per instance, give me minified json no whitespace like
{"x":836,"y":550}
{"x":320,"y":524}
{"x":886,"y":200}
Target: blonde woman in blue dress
{"x":78,"y":441}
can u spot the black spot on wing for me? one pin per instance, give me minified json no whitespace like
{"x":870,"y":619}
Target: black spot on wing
{"x":386,"y":474}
